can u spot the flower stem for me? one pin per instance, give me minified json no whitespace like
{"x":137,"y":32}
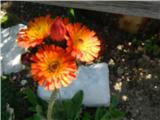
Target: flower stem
{"x":51,"y":104}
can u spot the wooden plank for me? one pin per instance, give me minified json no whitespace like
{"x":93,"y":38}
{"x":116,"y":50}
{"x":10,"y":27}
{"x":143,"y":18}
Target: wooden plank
{"x":149,"y":9}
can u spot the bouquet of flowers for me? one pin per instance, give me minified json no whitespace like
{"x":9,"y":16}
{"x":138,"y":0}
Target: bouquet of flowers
{"x":55,"y":47}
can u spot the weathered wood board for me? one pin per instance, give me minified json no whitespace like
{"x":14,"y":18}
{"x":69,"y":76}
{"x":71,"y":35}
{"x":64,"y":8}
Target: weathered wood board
{"x":149,"y":9}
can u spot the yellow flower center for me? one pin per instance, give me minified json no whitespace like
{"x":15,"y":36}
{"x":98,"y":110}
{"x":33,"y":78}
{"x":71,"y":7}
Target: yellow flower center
{"x":79,"y":43}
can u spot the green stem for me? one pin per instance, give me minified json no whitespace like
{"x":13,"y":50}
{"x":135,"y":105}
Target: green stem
{"x":51,"y":104}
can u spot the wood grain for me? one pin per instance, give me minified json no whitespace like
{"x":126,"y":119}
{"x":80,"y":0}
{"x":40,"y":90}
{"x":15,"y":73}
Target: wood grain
{"x":149,"y":9}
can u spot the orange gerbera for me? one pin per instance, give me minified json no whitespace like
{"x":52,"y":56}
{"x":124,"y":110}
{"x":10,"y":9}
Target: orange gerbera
{"x":53,"y":67}
{"x":84,"y":42}
{"x":58,"y":29}
{"x":36,"y":31}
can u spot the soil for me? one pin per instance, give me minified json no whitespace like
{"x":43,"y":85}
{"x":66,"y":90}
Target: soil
{"x":134,"y":74}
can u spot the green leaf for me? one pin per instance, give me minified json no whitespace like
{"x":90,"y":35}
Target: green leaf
{"x":9,"y":20}
{"x":4,"y":19}
{"x":31,"y":96}
{"x":86,"y":116}
{"x":4,"y":77}
{"x":110,"y":113}
{"x":113,"y":114}
{"x":114,"y":101}
{"x":136,"y":42}
{"x":77,"y":98}
{"x":32,"y":109}
{"x":71,"y":14}
{"x":106,"y":116}
{"x":77,"y":103}
{"x":34,"y":117}
{"x":39,"y":110}
{"x":100,"y":112}
{"x":69,"y":109}
{"x":116,"y":114}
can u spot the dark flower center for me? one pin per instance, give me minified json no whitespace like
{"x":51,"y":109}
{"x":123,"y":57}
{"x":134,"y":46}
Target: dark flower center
{"x":53,"y":66}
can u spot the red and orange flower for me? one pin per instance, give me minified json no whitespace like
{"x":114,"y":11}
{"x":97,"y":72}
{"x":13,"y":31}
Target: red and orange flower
{"x":37,"y":30}
{"x":58,"y":29}
{"x":53,"y":67}
{"x":82,"y":42}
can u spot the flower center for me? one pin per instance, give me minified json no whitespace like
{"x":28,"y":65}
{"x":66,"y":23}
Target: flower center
{"x":53,"y":66}
{"x":79,"y":42}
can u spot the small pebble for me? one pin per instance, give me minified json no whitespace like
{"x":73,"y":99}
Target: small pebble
{"x":128,"y":79}
{"x":111,"y":62}
{"x":118,"y":86}
{"x":23,"y":82}
{"x":129,"y":43}
{"x":149,"y":76}
{"x":124,"y":98}
{"x":123,"y":60}
{"x":120,"y":47}
{"x":155,"y":87}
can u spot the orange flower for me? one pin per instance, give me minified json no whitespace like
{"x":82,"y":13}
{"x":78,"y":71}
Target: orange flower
{"x":36,"y":31}
{"x":85,"y":44}
{"x":58,"y":29}
{"x":53,"y":67}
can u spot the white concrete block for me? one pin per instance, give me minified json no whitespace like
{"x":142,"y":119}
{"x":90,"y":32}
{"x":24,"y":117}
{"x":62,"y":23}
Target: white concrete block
{"x":93,"y":80}
{"x":10,"y":52}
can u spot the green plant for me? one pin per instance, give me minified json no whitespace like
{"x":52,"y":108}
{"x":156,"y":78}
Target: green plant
{"x":9,"y":20}
{"x":86,"y":116}
{"x":72,"y":110}
{"x":69,"y":109}
{"x":5,"y":113}
{"x":11,"y":95}
{"x":4,"y":18}
{"x":111,"y":113}
{"x":136,"y":42}
{"x":63,"y":110}
{"x":152,"y":47}
{"x":71,"y":14}
{"x":38,"y":107}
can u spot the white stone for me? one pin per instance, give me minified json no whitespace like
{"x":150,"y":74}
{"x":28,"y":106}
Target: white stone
{"x":23,"y":82}
{"x":93,"y":80}
{"x":10,"y":52}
